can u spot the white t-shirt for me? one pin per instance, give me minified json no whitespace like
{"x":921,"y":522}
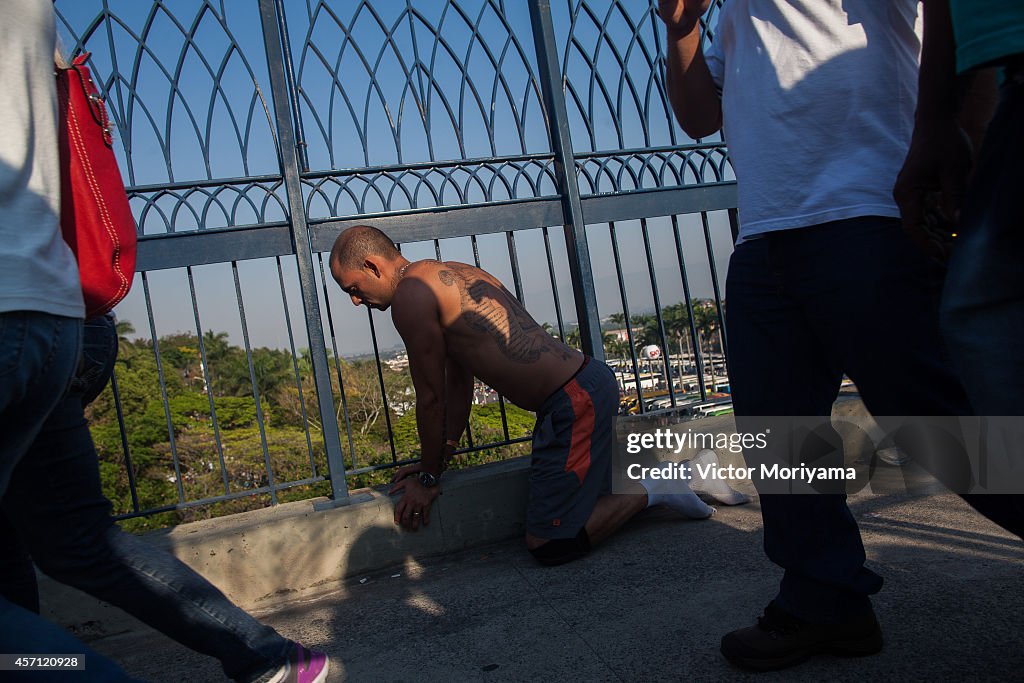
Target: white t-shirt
{"x":37,"y":269}
{"x":818,"y":104}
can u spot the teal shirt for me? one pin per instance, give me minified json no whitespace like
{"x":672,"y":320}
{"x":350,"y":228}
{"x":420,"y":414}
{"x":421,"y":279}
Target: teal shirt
{"x":986,"y":30}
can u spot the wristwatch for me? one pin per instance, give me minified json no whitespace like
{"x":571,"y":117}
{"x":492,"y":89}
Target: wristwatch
{"x":428,"y":480}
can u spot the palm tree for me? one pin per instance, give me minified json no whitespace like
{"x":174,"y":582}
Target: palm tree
{"x":222,"y":378}
{"x":677,"y":324}
{"x":572,"y":338}
{"x":645,"y":330}
{"x":617,"y":319}
{"x":124,"y":328}
{"x":216,"y":345}
{"x":707,"y":322}
{"x":616,"y":347}
{"x":125,"y":348}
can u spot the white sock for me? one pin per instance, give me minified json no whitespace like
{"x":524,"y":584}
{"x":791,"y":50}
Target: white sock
{"x":671,"y":492}
{"x":717,"y":489}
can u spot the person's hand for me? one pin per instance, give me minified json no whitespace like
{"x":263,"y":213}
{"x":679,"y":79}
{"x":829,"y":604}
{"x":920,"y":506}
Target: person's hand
{"x":681,"y":16}
{"x":931,"y":185}
{"x":404,"y":471}
{"x":414,"y":507}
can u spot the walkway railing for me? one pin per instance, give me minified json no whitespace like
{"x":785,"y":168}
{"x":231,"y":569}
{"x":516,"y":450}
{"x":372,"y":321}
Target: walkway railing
{"x":531,"y":138}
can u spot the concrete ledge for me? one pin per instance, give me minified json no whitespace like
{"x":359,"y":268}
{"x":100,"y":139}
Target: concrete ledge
{"x":290,"y":550}
{"x":292,"y":547}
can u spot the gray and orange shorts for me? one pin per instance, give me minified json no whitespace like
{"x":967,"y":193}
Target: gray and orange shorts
{"x":571,"y":463}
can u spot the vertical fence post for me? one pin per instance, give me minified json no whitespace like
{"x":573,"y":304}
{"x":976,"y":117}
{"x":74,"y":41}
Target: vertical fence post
{"x":272,"y":38}
{"x":734,"y":224}
{"x":580,"y":270}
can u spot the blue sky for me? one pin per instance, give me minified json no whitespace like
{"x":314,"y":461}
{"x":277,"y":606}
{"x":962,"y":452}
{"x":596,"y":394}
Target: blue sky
{"x":379,"y":87}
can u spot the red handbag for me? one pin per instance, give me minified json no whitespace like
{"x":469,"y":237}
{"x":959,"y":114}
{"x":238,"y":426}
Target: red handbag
{"x":96,"y":218}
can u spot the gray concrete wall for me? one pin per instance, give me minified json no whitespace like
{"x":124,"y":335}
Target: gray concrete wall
{"x":292,"y":547}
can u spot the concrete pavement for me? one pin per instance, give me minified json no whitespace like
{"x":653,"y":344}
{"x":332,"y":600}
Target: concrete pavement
{"x":649,"y":605}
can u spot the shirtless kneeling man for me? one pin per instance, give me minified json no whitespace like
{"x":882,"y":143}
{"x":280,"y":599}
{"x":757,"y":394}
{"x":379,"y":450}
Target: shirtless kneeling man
{"x":458,"y":322}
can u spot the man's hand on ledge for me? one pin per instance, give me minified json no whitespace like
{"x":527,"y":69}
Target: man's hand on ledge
{"x":414,"y":507}
{"x":404,"y":471}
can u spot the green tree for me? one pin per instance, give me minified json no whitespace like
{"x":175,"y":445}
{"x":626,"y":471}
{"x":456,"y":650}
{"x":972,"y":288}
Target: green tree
{"x":124,"y":328}
{"x":677,"y":326}
{"x":273,"y":369}
{"x":616,"y":348}
{"x":573,"y":339}
{"x":617,"y":319}
{"x":706,"y":320}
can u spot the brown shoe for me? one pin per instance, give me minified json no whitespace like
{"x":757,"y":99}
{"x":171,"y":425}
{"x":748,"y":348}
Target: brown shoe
{"x":780,"y":640}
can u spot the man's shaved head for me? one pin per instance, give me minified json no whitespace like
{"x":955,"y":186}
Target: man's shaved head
{"x":355,"y":244}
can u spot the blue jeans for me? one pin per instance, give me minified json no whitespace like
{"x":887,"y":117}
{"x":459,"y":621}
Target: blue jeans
{"x":804,"y":307}
{"x":38,"y":353}
{"x":983,"y":300}
{"x":56,"y":505}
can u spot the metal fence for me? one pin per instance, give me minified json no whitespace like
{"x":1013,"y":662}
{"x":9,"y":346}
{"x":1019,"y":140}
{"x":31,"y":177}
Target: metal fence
{"x":529,"y":137}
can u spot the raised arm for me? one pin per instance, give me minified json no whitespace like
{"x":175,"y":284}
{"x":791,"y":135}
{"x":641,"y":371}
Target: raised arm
{"x":691,"y":90}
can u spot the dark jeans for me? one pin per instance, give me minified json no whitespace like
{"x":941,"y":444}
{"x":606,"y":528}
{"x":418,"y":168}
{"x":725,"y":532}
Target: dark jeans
{"x":804,"y":307}
{"x":983,"y":300}
{"x":38,"y":353}
{"x":56,"y":506}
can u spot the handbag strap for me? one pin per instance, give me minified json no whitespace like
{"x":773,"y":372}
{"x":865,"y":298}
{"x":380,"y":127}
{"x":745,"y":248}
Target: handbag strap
{"x":96,"y":105}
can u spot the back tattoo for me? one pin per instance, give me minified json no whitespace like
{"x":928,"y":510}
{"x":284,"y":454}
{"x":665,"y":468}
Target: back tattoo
{"x":495,"y":312}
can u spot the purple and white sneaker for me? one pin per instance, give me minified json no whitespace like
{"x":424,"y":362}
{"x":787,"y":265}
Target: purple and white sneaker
{"x":302,"y":666}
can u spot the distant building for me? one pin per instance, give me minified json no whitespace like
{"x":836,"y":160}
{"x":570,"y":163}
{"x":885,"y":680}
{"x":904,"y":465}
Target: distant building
{"x":622,"y":334}
{"x":399,"y":362}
